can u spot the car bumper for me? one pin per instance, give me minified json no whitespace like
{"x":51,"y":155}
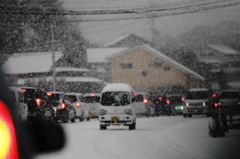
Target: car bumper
{"x":116,"y":120}
{"x":197,"y":110}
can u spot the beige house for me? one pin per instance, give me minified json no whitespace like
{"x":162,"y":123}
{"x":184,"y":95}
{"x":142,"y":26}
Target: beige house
{"x":147,"y":69}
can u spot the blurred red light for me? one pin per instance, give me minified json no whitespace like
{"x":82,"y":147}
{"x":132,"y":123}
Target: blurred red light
{"x":215,"y":104}
{"x":168,"y":101}
{"x":24,"y":90}
{"x":49,"y":94}
{"x":145,"y":100}
{"x":38,"y":101}
{"x":78,"y":104}
{"x":182,"y":99}
{"x":135,"y":95}
{"x":63,"y":105}
{"x":8,"y":147}
{"x":214,"y":95}
{"x":160,"y":98}
{"x":92,"y":95}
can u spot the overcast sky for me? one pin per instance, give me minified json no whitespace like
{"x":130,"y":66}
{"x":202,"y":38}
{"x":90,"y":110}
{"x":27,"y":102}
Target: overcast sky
{"x":105,"y":31}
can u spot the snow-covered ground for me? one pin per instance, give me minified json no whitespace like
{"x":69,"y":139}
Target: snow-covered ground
{"x":155,"y":138}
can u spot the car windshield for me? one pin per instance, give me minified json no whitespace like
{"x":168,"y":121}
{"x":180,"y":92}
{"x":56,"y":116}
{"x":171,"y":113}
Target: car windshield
{"x":71,"y":98}
{"x":197,"y":95}
{"x":159,"y":48}
{"x":115,"y":99}
{"x":91,"y":99}
{"x":229,"y":95}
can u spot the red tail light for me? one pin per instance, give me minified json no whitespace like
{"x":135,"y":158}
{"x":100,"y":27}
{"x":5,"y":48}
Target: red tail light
{"x":24,"y":90}
{"x":92,"y":94}
{"x":63,"y":105}
{"x":8,"y":146}
{"x":160,"y":98}
{"x":49,"y":94}
{"x":38,"y":101}
{"x":78,"y":104}
{"x":216,"y":104}
{"x":182,"y":99}
{"x":168,"y":101}
{"x":145,"y":100}
{"x":214,"y":95}
{"x":135,"y":95}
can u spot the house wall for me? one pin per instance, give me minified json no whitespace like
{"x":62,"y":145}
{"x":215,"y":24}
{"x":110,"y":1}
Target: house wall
{"x":155,"y":77}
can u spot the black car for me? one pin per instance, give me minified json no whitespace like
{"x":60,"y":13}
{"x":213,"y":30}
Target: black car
{"x":39,"y":109}
{"x":162,"y":105}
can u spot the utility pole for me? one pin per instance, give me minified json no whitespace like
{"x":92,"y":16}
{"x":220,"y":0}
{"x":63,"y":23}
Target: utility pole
{"x":53,"y":56}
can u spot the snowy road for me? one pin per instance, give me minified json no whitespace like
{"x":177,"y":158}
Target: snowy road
{"x":155,"y":138}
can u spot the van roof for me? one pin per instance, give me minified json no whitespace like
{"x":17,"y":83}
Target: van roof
{"x":198,"y":89}
{"x":113,"y":87}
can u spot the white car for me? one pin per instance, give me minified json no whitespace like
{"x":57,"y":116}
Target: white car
{"x":197,"y":102}
{"x":116,"y":106}
{"x":18,"y":99}
{"x":75,"y":100}
{"x":90,"y":102}
{"x":142,"y":104}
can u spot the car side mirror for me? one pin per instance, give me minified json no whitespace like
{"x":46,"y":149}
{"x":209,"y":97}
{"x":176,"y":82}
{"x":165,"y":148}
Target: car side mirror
{"x":46,"y":137}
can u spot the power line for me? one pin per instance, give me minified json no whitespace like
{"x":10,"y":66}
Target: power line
{"x":125,"y":12}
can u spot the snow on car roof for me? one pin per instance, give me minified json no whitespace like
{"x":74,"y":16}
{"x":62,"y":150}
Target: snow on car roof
{"x":99,"y":54}
{"x":117,"y":87}
{"x":21,"y":63}
{"x":198,"y":89}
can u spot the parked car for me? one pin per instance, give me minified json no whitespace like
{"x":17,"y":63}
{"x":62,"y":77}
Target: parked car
{"x":197,"y":102}
{"x":62,"y":111}
{"x":177,"y":103}
{"x":17,"y":97}
{"x":90,"y":102}
{"x":116,"y":106}
{"x":142,"y":103}
{"x":75,"y":99}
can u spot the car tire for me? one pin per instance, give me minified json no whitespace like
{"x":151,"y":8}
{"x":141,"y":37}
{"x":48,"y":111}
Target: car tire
{"x":189,"y":115}
{"x":185,"y":115}
{"x":132,"y":126}
{"x":103,"y":127}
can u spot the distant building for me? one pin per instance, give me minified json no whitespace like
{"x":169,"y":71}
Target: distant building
{"x":130,"y":40}
{"x":147,"y":69}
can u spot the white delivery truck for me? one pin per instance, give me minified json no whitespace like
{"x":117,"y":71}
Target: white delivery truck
{"x":116,"y":106}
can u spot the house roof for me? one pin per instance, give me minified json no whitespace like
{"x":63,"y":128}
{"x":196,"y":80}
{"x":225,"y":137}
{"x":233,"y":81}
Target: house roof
{"x":161,"y":56}
{"x":99,"y":54}
{"x":22,"y":63}
{"x":136,"y":38}
{"x":22,"y":81}
{"x":66,"y":69}
{"x":223,"y":49}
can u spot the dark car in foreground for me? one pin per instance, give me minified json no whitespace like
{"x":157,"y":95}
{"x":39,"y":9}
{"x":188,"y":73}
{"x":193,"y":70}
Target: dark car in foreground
{"x":24,"y":140}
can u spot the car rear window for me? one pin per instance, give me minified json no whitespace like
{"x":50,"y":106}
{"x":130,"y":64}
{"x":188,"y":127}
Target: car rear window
{"x":91,"y":99}
{"x":71,"y":98}
{"x":138,"y":98}
{"x":229,"y":95}
{"x":197,"y":95}
{"x":115,"y":99}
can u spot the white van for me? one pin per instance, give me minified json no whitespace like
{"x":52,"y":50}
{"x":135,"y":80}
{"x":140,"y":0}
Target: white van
{"x":116,"y":106}
{"x":17,"y":97}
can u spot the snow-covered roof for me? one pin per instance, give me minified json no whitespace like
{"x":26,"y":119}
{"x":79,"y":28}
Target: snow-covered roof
{"x":161,"y":56}
{"x":64,"y":69}
{"x":117,"y":40}
{"x":117,"y":87}
{"x":223,"y":49}
{"x":22,"y":63}
{"x":22,"y":81}
{"x":99,"y":54}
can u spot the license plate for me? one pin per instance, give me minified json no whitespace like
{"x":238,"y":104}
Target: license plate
{"x":115,"y":118}
{"x":47,"y":113}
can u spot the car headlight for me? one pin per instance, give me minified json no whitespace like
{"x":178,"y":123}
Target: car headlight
{"x":102,"y":112}
{"x":204,"y":104}
{"x":181,"y":108}
{"x":187,"y":104}
{"x":128,"y":111}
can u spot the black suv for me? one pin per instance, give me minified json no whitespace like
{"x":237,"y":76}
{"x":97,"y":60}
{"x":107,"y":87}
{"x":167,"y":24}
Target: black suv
{"x":38,"y":107}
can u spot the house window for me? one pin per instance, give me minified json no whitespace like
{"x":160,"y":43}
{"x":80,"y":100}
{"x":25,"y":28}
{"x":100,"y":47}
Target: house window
{"x":166,"y":68}
{"x":126,"y":65}
{"x":144,"y":73}
{"x":155,"y":64}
